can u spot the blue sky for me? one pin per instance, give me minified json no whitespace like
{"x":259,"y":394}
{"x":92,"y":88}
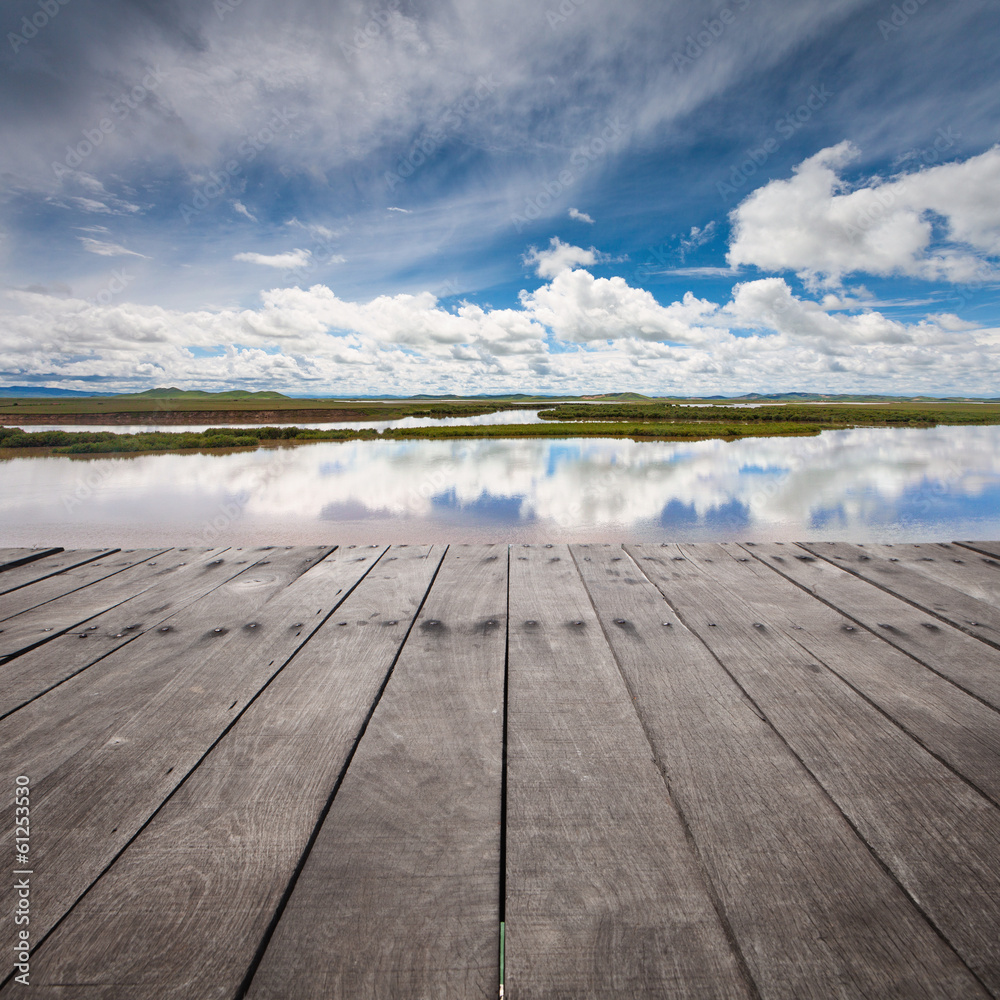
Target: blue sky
{"x":572,"y":196}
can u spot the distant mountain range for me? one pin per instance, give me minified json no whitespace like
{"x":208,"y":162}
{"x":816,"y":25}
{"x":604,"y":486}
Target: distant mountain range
{"x":171,"y":392}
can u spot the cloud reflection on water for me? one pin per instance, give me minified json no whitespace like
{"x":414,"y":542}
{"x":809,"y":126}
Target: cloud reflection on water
{"x":858,"y":484}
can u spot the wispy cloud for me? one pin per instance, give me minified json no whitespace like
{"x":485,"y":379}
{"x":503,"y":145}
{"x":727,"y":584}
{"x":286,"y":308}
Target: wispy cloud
{"x":241,"y":209}
{"x":106,"y":249}
{"x":575,"y":213}
{"x":289,"y":261}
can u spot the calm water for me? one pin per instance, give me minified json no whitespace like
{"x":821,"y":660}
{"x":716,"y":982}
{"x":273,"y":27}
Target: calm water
{"x":502,"y":417}
{"x":865,"y":484}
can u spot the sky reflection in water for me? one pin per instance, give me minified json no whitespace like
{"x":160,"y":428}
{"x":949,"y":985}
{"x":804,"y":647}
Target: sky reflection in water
{"x":866,"y":484}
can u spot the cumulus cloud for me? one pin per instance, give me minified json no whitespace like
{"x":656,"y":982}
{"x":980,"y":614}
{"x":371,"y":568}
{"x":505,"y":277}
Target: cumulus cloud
{"x":290,"y":260}
{"x":575,"y":213}
{"x":559,"y":257}
{"x":940,"y":223}
{"x":575,"y":332}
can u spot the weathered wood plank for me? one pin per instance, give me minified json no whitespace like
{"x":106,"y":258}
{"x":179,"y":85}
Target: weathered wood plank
{"x":50,"y":729}
{"x":400,"y":893}
{"x":972,"y":665}
{"x":9,"y":558}
{"x":807,"y":903}
{"x":184,"y":909}
{"x":176,"y":584}
{"x":109,"y":582}
{"x":977,"y":618}
{"x":953,"y":725}
{"x":110,"y":787}
{"x":938,"y":836}
{"x":971,"y":572}
{"x":991,"y":549}
{"x":604,"y":894}
{"x":23,"y":576}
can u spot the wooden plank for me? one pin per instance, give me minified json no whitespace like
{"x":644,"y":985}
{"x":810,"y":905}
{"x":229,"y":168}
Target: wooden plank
{"x":400,"y":893}
{"x":991,"y":549}
{"x":67,"y":599}
{"x":739,"y":787}
{"x":184,"y":909}
{"x":938,"y":836}
{"x":604,"y":894}
{"x":50,"y":729}
{"x":23,"y":576}
{"x":41,"y":668}
{"x":972,"y":665}
{"x":9,"y":558}
{"x":977,"y":618}
{"x":956,"y":727}
{"x":104,"y":793}
{"x":125,"y":577}
{"x":971,"y":572}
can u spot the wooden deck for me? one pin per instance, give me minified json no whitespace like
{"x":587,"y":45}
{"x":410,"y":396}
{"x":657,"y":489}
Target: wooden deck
{"x":699,"y":771}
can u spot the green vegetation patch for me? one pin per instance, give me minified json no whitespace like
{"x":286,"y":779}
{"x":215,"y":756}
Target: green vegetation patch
{"x":900,"y":415}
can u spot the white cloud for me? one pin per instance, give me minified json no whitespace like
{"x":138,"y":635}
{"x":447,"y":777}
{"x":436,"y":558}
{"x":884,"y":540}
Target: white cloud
{"x":241,"y":209}
{"x":559,"y":257}
{"x":575,"y":332}
{"x":289,"y":260}
{"x":697,"y":238}
{"x":940,"y":223}
{"x":393,"y":208}
{"x":575,"y":213}
{"x":106,"y":249}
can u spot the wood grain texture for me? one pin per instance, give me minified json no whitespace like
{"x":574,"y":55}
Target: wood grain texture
{"x":991,"y":549}
{"x":971,"y":572}
{"x":807,"y":903}
{"x":110,"y":581}
{"x":938,"y":836}
{"x":400,"y":894}
{"x":29,"y":675}
{"x":604,"y":894}
{"x":182,"y":912}
{"x":23,"y":576}
{"x":50,"y":729}
{"x":953,"y":725}
{"x":102,"y":795}
{"x":975,"y":617}
{"x":9,"y":558}
{"x":964,"y":660}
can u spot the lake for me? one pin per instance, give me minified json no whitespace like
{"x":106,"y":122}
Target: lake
{"x":863,"y":484}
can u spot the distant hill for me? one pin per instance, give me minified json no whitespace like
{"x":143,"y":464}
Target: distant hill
{"x":44,"y":392}
{"x":174,"y":393}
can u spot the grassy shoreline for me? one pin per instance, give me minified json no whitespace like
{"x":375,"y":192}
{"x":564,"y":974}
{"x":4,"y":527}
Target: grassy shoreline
{"x":15,"y":442}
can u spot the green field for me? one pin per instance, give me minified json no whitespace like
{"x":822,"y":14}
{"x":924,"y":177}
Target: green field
{"x":623,"y":415}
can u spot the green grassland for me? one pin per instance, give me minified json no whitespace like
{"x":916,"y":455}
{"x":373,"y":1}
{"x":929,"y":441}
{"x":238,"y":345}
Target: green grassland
{"x":623,"y":415}
{"x":915,"y":413}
